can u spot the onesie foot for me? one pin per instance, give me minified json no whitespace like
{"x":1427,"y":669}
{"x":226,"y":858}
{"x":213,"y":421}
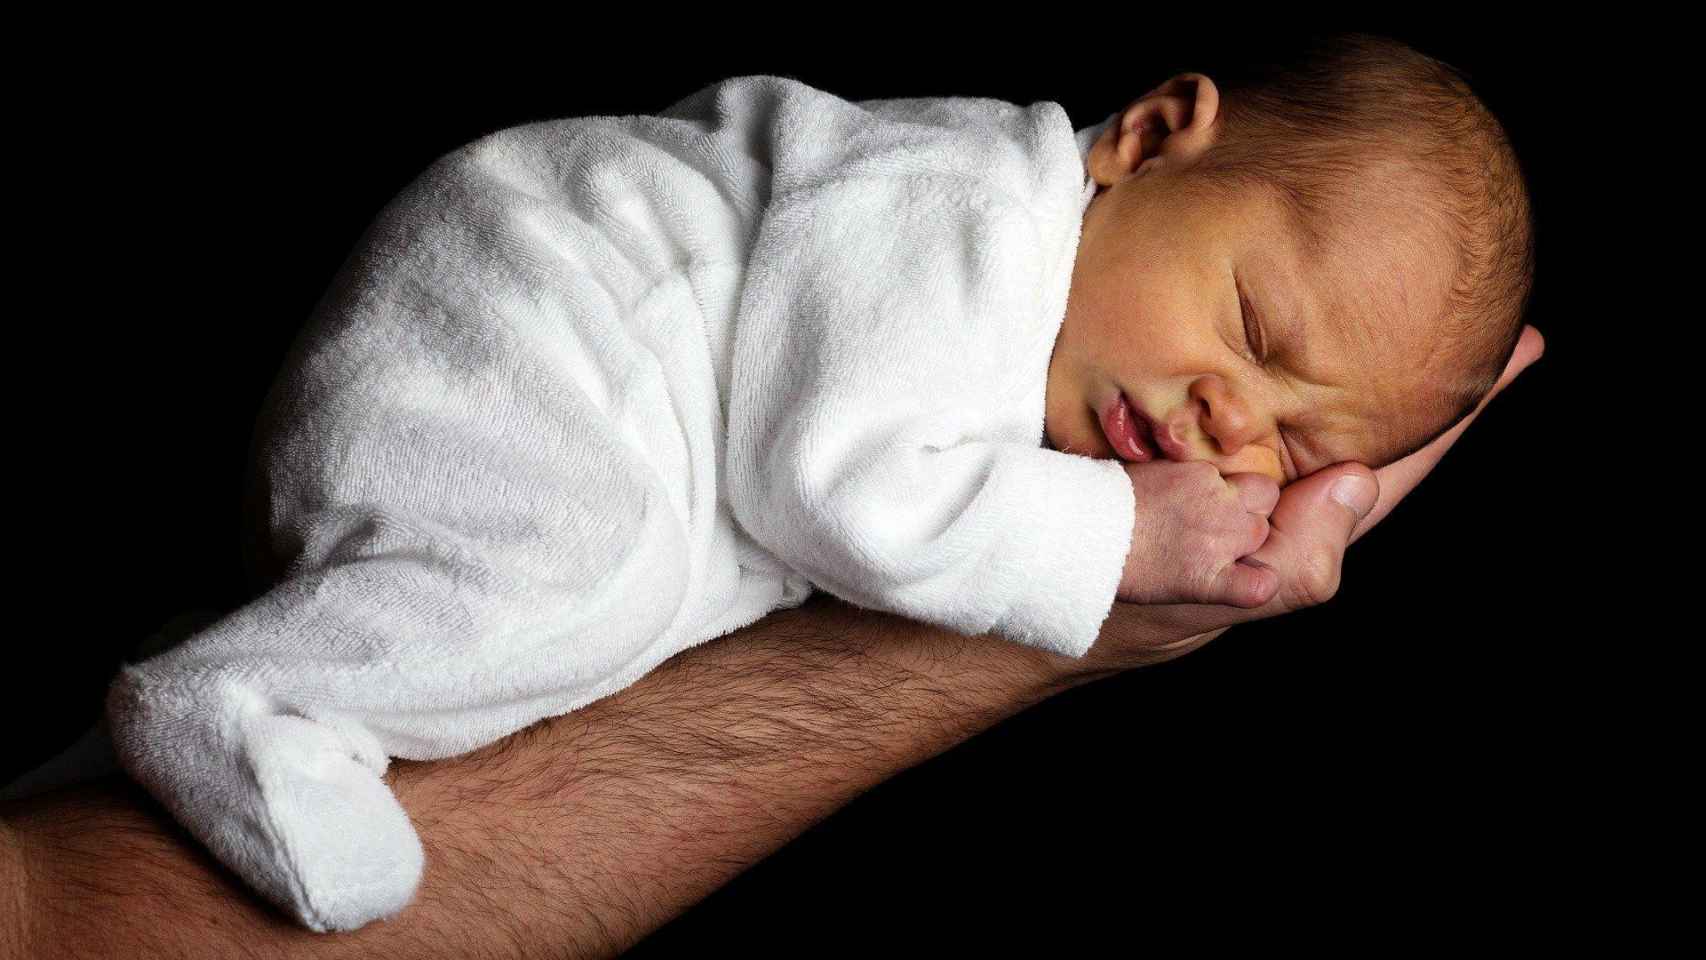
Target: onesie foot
{"x":344,"y":850}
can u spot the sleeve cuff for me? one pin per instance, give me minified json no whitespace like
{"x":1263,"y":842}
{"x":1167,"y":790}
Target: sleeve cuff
{"x":1070,"y":551}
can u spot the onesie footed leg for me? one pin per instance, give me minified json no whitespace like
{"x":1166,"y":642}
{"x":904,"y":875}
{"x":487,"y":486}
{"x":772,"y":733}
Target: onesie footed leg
{"x":296,"y":806}
{"x":341,"y":842}
{"x":421,"y":615}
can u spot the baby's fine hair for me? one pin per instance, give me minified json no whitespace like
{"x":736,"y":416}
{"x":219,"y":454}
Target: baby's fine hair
{"x":1305,"y":125}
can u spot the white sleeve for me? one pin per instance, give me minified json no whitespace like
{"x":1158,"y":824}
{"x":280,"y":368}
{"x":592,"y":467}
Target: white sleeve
{"x":884,"y":430}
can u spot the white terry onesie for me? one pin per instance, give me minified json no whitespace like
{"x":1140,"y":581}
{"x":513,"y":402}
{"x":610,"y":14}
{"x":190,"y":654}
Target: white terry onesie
{"x":591,"y":391}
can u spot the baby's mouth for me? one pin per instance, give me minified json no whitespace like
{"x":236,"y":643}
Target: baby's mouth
{"x":1127,"y":432}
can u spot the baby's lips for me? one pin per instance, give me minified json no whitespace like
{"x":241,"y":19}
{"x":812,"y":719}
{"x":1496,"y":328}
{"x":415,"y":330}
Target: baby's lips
{"x":1120,"y":424}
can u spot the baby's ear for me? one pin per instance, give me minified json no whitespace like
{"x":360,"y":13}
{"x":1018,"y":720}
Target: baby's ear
{"x":1175,"y":121}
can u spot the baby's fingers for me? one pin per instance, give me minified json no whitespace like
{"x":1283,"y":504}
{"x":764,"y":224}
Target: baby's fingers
{"x":1257,"y":491}
{"x":1244,"y":583}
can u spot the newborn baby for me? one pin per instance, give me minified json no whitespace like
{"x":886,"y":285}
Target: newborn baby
{"x":594,"y":390}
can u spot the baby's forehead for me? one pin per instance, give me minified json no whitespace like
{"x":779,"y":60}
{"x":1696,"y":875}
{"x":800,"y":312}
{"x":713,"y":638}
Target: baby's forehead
{"x":1383,"y":212}
{"x":1354,"y":336}
{"x":1374,"y":294}
{"x":1384,"y":283}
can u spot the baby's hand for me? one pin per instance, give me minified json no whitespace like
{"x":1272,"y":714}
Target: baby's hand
{"x":1191,"y":527}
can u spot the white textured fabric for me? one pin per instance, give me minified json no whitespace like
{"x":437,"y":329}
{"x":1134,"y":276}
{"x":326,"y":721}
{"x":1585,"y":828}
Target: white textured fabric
{"x":594,"y":390}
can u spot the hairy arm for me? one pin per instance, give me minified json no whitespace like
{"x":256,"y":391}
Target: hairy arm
{"x":584,"y":833}
{"x":577,"y":836}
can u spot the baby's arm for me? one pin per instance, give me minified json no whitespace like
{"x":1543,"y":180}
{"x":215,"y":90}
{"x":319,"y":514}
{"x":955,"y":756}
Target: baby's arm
{"x":982,"y":537}
{"x":888,"y":349}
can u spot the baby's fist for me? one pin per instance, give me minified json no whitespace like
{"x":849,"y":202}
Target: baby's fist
{"x":1191,"y":527}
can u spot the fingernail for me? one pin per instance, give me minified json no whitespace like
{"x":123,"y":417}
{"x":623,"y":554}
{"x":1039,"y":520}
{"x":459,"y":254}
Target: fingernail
{"x":1354,"y":492}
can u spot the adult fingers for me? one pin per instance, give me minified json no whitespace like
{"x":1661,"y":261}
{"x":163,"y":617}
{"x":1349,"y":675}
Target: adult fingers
{"x":1246,"y":585}
{"x":1398,"y":478}
{"x":1308,"y":532}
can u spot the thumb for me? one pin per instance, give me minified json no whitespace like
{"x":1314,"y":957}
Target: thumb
{"x":1316,"y":516}
{"x":1328,"y":503}
{"x":1309,"y":530}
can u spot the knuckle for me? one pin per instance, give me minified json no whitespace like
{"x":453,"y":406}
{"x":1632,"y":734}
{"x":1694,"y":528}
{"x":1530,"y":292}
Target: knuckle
{"x":1202,"y":579}
{"x":1200,"y":472}
{"x":1269,"y":495}
{"x":1218,"y":546}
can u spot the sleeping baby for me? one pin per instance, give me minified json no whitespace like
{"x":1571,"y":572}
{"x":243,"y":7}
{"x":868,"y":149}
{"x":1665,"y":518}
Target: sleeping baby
{"x":592,"y":391}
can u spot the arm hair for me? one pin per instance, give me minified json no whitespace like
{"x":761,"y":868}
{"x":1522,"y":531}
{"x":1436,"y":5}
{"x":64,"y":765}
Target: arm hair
{"x":577,"y":836}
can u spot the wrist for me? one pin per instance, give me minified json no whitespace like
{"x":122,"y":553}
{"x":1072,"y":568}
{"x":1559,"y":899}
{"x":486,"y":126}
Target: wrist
{"x":960,"y":684}
{"x":1138,"y":635}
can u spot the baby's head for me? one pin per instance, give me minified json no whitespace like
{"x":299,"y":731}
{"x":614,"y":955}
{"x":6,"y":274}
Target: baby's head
{"x":1327,"y":260}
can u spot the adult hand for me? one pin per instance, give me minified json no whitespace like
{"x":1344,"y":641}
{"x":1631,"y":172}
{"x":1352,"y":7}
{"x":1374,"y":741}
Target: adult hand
{"x":1309,"y":531}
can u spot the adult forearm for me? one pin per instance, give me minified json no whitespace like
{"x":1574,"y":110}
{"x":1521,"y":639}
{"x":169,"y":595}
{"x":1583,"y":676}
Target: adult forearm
{"x":14,"y":904}
{"x":584,"y":833}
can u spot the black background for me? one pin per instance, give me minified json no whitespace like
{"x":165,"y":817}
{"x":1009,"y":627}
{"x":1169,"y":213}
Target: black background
{"x":1411,"y":751}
